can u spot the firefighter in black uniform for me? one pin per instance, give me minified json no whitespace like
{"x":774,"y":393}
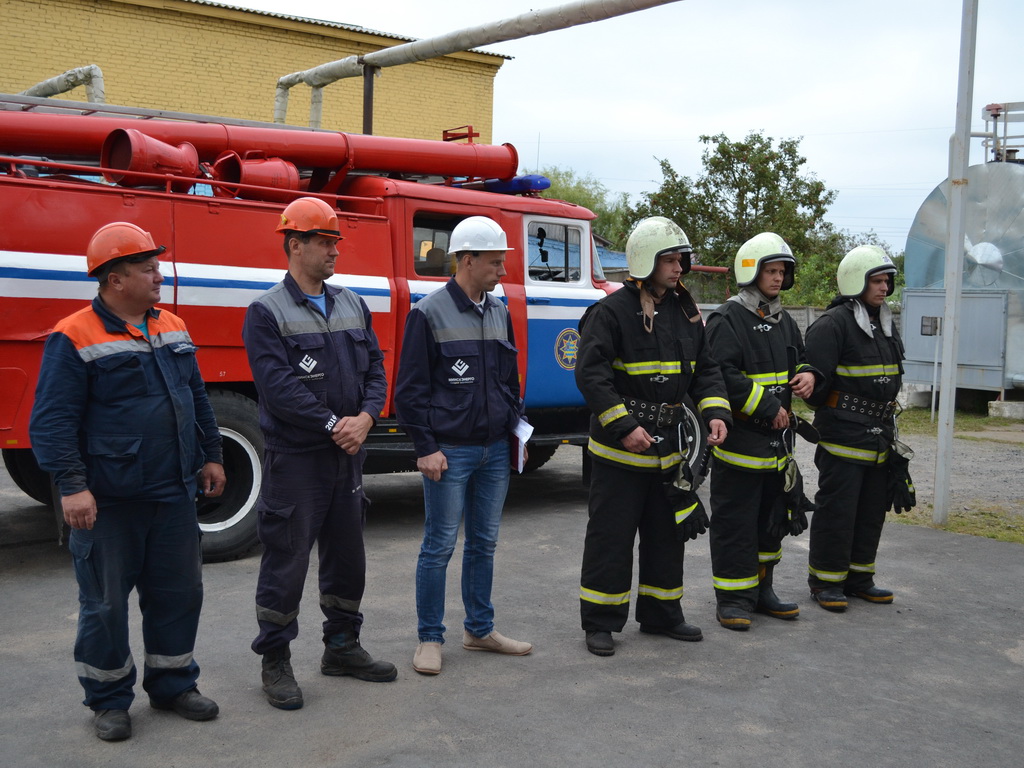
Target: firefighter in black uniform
{"x":857,"y":348}
{"x":758,"y":346}
{"x":642,"y":350}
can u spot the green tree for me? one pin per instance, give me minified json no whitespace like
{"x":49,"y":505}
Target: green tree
{"x":746,"y":187}
{"x":590,"y":193}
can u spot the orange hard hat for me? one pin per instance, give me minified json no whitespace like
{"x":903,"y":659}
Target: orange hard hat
{"x":310,"y":215}
{"x":119,"y":240}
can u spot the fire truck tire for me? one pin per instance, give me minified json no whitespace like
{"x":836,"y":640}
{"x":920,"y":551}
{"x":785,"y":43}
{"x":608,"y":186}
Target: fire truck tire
{"x":228,"y":522}
{"x":26,"y":474}
{"x":538,"y":456}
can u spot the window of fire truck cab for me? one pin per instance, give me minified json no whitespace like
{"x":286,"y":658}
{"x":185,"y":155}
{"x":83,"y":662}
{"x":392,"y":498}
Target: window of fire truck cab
{"x":430,"y":236}
{"x":554,"y":252}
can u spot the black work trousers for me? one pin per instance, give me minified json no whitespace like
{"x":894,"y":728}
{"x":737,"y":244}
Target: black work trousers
{"x":741,"y":507}
{"x":847,"y":526}
{"x":624,"y":502}
{"x":306,"y":498}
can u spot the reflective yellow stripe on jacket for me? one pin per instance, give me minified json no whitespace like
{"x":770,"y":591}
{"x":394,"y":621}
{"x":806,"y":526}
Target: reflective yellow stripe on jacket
{"x":860,"y":454}
{"x":648,"y":367}
{"x":612,"y":414}
{"x":867,"y":371}
{"x":630,"y":459}
{"x":744,"y":461}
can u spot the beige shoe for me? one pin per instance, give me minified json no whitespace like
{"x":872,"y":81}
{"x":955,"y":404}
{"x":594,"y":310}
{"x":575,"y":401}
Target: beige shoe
{"x":495,"y":643}
{"x":427,"y":659}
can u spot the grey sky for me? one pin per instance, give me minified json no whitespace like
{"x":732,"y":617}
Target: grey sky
{"x":870,"y":86}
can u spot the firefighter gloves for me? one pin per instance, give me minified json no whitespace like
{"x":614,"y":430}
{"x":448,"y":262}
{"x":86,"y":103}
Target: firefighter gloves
{"x":902,"y":495}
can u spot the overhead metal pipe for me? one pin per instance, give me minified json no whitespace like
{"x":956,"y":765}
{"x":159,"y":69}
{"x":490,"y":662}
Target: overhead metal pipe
{"x":90,"y":76}
{"x":524,"y":25}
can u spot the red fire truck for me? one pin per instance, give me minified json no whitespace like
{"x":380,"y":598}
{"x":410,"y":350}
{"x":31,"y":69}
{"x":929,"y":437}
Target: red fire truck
{"x":210,"y":189}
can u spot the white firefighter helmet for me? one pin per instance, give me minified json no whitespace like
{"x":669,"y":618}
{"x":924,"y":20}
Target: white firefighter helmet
{"x":477,"y":233}
{"x":762,"y":249}
{"x":859,"y":265}
{"x":650,"y":239}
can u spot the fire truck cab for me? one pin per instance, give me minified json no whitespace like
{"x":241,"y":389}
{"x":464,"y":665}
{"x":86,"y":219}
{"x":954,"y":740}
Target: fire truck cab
{"x":211,"y":189}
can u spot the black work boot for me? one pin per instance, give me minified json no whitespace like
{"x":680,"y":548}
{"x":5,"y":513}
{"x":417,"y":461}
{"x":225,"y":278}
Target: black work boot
{"x":345,"y":656}
{"x":872,"y":594}
{"x":768,"y":602}
{"x":279,"y":680}
{"x":600,"y":643}
{"x":830,"y":598}
{"x":733,"y":617}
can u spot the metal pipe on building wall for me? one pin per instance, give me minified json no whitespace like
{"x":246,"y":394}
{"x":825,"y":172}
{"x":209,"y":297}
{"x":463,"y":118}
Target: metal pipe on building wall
{"x":90,"y":76}
{"x":515,"y":28}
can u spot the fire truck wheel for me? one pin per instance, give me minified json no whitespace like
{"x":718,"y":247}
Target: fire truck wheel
{"x":228,"y":522}
{"x":26,"y":474}
{"x":538,"y":456}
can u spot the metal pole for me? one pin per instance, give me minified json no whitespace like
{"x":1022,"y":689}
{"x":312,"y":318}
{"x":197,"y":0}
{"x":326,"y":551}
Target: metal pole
{"x":959,"y":155}
{"x":368,"y":74}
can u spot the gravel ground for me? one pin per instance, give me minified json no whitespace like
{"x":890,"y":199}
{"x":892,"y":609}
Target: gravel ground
{"x":988,"y":469}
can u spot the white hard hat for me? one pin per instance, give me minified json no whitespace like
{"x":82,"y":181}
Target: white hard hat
{"x":649,"y":239}
{"x":762,"y":249}
{"x":477,"y":233}
{"x":860,"y":264}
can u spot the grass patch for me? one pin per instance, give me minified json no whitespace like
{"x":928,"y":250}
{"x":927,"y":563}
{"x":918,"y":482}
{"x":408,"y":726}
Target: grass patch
{"x":992,"y":521}
{"x":917,"y":421}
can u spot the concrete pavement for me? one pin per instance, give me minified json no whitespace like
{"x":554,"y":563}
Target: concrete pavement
{"x":934,"y":680}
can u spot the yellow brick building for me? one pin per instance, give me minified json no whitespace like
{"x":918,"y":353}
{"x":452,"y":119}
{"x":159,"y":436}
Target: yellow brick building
{"x":203,"y":57}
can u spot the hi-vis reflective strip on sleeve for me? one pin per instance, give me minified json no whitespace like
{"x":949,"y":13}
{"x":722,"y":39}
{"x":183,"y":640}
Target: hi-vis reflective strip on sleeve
{"x":603,"y":598}
{"x":648,"y":367}
{"x":833,"y":576}
{"x":735,"y":584}
{"x":846,"y":452}
{"x":660,"y":594}
{"x":768,"y":379}
{"x":749,"y":462}
{"x":867,"y":371}
{"x":754,"y":400}
{"x":613,"y":413}
{"x":682,"y":514}
{"x":713,"y":402}
{"x":631,"y":459}
{"x":769,"y":557}
{"x":862,"y":567}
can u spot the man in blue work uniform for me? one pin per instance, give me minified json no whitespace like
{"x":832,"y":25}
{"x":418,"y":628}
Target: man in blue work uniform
{"x":122,"y":422}
{"x":319,"y":374}
{"x":457,"y":396}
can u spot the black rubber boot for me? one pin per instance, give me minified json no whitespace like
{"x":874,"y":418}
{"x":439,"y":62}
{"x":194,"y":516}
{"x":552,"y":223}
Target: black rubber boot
{"x":279,"y":680}
{"x":830,"y":598}
{"x":872,"y":594}
{"x":768,"y":602}
{"x":733,"y":617}
{"x":345,"y":656}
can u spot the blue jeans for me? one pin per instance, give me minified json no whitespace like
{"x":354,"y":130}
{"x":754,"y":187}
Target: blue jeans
{"x":472,"y":488}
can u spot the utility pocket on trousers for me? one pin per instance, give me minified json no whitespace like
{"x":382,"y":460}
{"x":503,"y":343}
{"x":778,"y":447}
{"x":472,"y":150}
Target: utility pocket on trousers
{"x":80,"y":547}
{"x":273,"y":525}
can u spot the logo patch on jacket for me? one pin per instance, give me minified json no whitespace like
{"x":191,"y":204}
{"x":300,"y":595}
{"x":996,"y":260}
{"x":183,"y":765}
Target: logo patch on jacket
{"x":460,"y":367}
{"x":307,"y":364}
